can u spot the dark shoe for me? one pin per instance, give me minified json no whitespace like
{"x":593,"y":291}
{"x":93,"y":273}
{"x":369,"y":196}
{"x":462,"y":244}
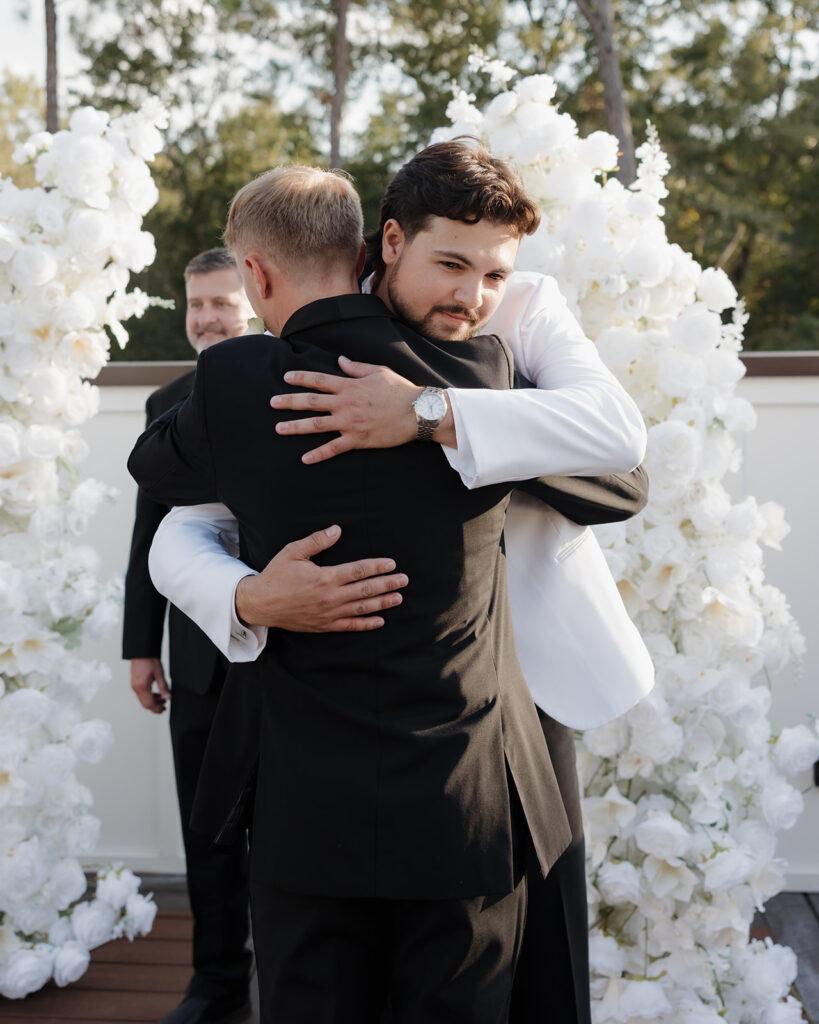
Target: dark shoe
{"x":195,"y":1010}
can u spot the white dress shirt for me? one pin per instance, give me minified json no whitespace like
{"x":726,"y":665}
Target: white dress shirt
{"x":581,"y":654}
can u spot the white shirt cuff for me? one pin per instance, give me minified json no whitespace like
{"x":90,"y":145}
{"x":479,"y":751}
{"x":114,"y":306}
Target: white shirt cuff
{"x":246,"y":643}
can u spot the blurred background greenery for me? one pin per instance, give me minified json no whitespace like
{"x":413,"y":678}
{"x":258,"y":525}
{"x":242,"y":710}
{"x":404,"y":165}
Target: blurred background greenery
{"x":731,"y":85}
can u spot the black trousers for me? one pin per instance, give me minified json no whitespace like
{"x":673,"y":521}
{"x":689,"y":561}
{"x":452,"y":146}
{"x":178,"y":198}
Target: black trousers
{"x":339,"y":961}
{"x":552,"y":981}
{"x":217,"y":877}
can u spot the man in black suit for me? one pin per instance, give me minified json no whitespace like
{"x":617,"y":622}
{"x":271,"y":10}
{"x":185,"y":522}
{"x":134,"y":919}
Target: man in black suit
{"x":217,"y":308}
{"x":401,"y":773}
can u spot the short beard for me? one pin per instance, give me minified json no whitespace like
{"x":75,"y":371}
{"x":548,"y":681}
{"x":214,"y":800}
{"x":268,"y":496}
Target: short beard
{"x":424,"y":325}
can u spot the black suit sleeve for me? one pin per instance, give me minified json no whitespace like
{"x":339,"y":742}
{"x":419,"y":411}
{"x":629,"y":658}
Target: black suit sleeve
{"x":172,"y":461}
{"x":144,"y":610}
{"x":590,"y":500}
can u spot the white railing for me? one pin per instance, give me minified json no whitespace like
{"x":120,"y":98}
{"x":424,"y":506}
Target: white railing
{"x":134,"y":788}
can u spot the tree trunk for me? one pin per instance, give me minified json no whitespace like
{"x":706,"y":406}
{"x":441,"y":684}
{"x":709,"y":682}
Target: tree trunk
{"x":600,"y":16}
{"x":339,"y":81}
{"x":51,"y":66}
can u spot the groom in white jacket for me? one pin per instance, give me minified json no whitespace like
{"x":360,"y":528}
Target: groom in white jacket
{"x":569,"y":622}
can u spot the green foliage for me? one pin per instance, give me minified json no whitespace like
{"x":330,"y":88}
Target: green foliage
{"x":249,"y":82}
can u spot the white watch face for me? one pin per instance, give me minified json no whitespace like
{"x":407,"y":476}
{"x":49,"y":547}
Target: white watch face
{"x":431,"y":406}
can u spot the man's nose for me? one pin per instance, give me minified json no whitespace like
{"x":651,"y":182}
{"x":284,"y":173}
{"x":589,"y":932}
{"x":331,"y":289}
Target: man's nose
{"x":469,"y":293}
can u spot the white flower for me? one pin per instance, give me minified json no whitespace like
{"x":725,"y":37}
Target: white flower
{"x":716,"y":290}
{"x":116,"y":885}
{"x":781,"y":804}
{"x":27,"y":971}
{"x":669,"y":878}
{"x":619,"y":882}
{"x":93,"y":923}
{"x":70,"y":963}
{"x":24,"y":871}
{"x":91,"y":740}
{"x":605,"y":956}
{"x":796,"y":749}
{"x":32,"y":266}
{"x":598,"y":150}
{"x":66,"y":882}
{"x":727,"y":869}
{"x":663,"y":836}
{"x":644,"y":1000}
{"x":775,"y":526}
{"x":770,"y":972}
{"x":140,"y":912}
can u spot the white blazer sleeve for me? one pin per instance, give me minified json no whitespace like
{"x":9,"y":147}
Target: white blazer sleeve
{"x":579,"y":421}
{"x":192,"y":562}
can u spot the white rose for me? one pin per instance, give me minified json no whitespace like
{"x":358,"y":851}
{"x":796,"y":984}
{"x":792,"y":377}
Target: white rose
{"x":679,"y":374}
{"x":727,"y":869}
{"x":48,"y":389}
{"x":116,"y":885}
{"x":796,"y":749}
{"x":539,"y":88}
{"x":647,"y":261}
{"x":716,"y":290}
{"x":610,"y":813}
{"x":75,"y":313}
{"x":598,"y":151}
{"x":31,"y":267}
{"x":644,"y":1000}
{"x":669,"y":878}
{"x":619,"y":882}
{"x":770,"y":972}
{"x":140,"y":912}
{"x":93,"y":923}
{"x":775,"y":526}
{"x":67,"y":882}
{"x":663,"y":836}
{"x":52,"y":765}
{"x":90,"y":230}
{"x":23,"y":872}
{"x":88,"y":120}
{"x":781,"y":804}
{"x":607,"y":740}
{"x":27,"y":971}
{"x":43,"y":442}
{"x":10,"y":451}
{"x":70,"y":963}
{"x":82,"y":835}
{"x":673,"y":450}
{"x":605,"y":955}
{"x":23,"y":710}
{"x":91,"y":740}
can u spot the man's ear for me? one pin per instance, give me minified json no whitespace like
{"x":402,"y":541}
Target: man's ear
{"x":260,"y":273}
{"x":362,"y":259}
{"x":393,"y":240}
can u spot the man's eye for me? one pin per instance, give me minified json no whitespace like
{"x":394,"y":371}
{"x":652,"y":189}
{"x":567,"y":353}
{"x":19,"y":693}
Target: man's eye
{"x":496,"y":277}
{"x":450,"y":265}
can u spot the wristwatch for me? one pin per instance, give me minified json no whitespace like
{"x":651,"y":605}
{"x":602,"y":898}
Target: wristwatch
{"x":430,"y":408}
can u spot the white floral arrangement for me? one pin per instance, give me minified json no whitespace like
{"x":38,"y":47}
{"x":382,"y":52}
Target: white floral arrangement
{"x":67,"y":247}
{"x":684,"y":794}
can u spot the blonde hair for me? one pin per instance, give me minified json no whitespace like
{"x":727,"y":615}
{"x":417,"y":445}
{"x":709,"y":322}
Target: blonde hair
{"x":301,"y":216}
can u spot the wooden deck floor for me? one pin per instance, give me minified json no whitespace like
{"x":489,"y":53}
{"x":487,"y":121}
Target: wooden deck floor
{"x":139,"y":982}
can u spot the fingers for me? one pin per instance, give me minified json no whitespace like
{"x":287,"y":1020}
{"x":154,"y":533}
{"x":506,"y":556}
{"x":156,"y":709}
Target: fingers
{"x":309,"y":425}
{"x":162,"y":686}
{"x":359,"y":609}
{"x":356,"y":625}
{"x":306,"y":400}
{"x":316,"y":381}
{"x":328,"y":450}
{"x":310,"y":546}
{"x":354,"y":369}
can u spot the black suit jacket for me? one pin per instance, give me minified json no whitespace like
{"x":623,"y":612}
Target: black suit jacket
{"x":384,"y":755}
{"x":192,"y":656}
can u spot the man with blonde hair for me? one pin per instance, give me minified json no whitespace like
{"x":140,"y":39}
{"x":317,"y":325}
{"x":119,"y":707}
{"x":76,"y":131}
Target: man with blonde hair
{"x":402,"y":772}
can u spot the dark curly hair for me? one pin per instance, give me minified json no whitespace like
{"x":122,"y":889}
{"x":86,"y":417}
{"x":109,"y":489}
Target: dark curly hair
{"x":460,"y":180}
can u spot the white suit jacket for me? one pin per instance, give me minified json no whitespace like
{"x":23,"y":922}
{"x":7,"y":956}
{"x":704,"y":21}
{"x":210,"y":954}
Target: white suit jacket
{"x":582,"y":656}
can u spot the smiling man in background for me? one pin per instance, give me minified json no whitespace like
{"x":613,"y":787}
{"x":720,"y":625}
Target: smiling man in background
{"x":217,"y":308}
